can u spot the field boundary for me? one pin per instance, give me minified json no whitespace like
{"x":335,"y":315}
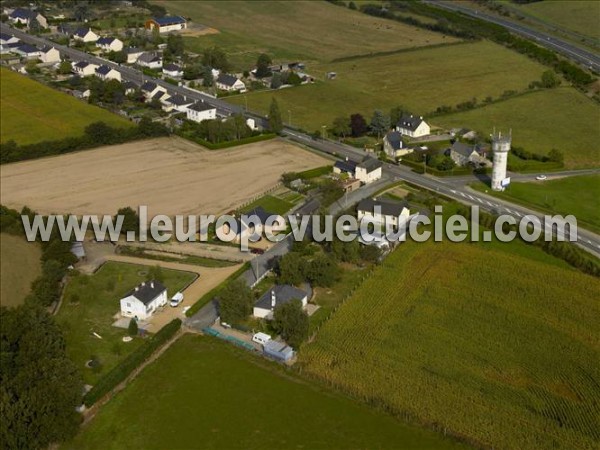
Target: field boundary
{"x":400,"y":50}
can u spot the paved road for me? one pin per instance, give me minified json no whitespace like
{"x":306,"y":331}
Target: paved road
{"x":451,"y":188}
{"x":586,"y":58}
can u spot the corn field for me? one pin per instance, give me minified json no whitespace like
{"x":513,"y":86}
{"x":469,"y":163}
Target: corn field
{"x":490,"y":343}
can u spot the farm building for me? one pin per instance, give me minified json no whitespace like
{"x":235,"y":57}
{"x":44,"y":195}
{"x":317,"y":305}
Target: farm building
{"x":172,"y":70}
{"x":26,"y":17}
{"x":49,"y":55}
{"x":412,"y":126}
{"x":368,"y":170}
{"x":85,"y":35}
{"x":141,"y":302}
{"x":278,"y":350}
{"x":166,"y":24}
{"x":109,"y":44}
{"x":226,"y":82}
{"x":150,"y":60}
{"x":393,"y":145}
{"x":277,"y":295}
{"x":200,"y":111}
{"x":106,"y":73}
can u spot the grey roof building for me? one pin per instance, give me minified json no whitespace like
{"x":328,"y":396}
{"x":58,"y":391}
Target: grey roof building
{"x":280,"y":294}
{"x":147,"y":291}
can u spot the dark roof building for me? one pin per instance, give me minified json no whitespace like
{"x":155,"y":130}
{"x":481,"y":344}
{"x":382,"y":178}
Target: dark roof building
{"x":409,"y":122}
{"x":147,"y":291}
{"x":201,"y":106}
{"x":103,"y":70}
{"x":280,"y":294}
{"x":26,"y":48}
{"x":394,"y":139}
{"x":169,"y":20}
{"x":179,"y":100}
{"x":226,"y":79}
{"x":171,"y":68}
{"x":370,"y":164}
{"x":23,"y":13}
{"x":388,"y":207}
{"x":105,"y":40}
{"x":149,"y":86}
{"x":346,"y":166}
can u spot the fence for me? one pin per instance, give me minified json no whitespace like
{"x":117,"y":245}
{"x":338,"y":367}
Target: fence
{"x":262,"y":194}
{"x":212,"y":332}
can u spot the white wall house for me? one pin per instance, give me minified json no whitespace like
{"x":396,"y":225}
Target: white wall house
{"x":226,"y":82}
{"x":172,"y":70}
{"x":27,"y":51}
{"x":85,"y":35}
{"x":166,"y":24}
{"x":382,"y":210}
{"x":50,"y":55}
{"x":106,"y":73}
{"x":368,"y":171}
{"x":277,"y":295}
{"x":6,"y":39}
{"x":84,"y":69}
{"x":150,"y":60}
{"x":393,"y":145}
{"x":463,"y":154}
{"x":412,"y":126}
{"x":109,"y":44}
{"x":133,"y":54}
{"x":200,"y":111}
{"x":150,"y":89}
{"x":25,"y":16}
{"x":177,"y":103}
{"x":141,"y":302}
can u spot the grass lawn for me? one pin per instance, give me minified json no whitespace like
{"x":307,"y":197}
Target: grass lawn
{"x":301,"y":30}
{"x":19,"y":266}
{"x":420,"y":80}
{"x":560,"y":118}
{"x":477,"y":338}
{"x":89,"y":304}
{"x":270,"y":204}
{"x":572,"y":195}
{"x":32,"y":112}
{"x":205,"y":393}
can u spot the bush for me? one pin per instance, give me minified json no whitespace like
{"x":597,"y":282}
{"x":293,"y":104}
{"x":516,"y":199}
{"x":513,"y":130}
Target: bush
{"x":132,"y":329}
{"x":120,"y":373}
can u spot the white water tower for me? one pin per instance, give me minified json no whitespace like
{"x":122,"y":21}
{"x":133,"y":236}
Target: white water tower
{"x":500,"y":147}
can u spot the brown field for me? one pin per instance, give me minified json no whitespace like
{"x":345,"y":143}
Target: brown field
{"x":19,"y":266}
{"x":169,"y":175}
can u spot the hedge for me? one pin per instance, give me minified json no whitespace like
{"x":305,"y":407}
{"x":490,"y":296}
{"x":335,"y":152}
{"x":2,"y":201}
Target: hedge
{"x":120,"y":372}
{"x":215,"y":291}
{"x":228,"y":144}
{"x":418,"y":167}
{"x":314,"y":173}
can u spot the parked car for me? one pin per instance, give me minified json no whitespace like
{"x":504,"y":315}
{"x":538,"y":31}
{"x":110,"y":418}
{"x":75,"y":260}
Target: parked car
{"x":257,"y":251}
{"x":261,"y":338}
{"x":176,"y":300}
{"x":541,"y":177}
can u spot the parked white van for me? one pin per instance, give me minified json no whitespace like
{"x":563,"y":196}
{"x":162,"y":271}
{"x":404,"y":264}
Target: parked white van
{"x":176,"y":299}
{"x":261,"y":338}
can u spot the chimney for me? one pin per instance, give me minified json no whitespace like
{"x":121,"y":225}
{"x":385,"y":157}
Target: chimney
{"x":137,"y":288}
{"x":152,"y":284}
{"x":346,"y":159}
{"x":421,"y":117}
{"x":273,"y":300}
{"x":143,"y":283}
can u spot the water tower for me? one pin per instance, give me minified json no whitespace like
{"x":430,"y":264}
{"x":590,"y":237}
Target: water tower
{"x":500,"y":147}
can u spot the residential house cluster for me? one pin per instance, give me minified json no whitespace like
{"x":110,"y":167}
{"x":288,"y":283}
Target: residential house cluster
{"x":366,"y":171}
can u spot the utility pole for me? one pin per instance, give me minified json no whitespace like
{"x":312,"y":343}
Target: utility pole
{"x":290,"y":117}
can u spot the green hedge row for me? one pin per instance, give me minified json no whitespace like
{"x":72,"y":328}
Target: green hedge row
{"x":418,"y":167}
{"x":215,"y":291}
{"x":120,"y":373}
{"x":314,"y":173}
{"x":228,"y":144}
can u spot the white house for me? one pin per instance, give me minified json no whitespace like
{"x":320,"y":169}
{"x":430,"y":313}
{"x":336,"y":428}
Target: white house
{"x":200,"y":111}
{"x":150,"y":60}
{"x":150,"y":89}
{"x":277,"y":295}
{"x":226,"y":82}
{"x":178,"y":103}
{"x":382,"y":210}
{"x":130,"y":87}
{"x":85,"y":35}
{"x":109,"y":44}
{"x":172,"y":70}
{"x":25,"y":16}
{"x":50,"y":55}
{"x":106,"y":73}
{"x":412,"y":126}
{"x":27,"y":51}
{"x":166,"y":24}
{"x":393,"y":145}
{"x":6,"y":39}
{"x":84,"y":69}
{"x":133,"y":54}
{"x":368,"y":170}
{"x":141,"y":302}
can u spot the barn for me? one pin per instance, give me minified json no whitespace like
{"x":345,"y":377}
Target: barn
{"x":166,"y":24}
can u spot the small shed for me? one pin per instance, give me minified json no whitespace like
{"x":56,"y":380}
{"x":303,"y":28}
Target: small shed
{"x":278,"y":350}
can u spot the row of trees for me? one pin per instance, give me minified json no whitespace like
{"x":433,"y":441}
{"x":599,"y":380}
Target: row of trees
{"x":215,"y":131}
{"x":356,"y":125}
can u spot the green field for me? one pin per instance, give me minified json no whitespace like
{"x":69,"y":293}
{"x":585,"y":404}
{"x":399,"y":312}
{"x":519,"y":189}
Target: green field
{"x":420,"y":80}
{"x":495,"y":342}
{"x":19,"y":266}
{"x":560,"y":118}
{"x":302,"y":30}
{"x":572,"y":195}
{"x":89,"y":304}
{"x":204,"y":393}
{"x":32,"y":112}
{"x":270,"y":204}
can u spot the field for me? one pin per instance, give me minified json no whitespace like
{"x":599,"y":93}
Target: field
{"x":498,"y":343}
{"x":256,"y":405}
{"x":573,"y":195}
{"x":32,"y":112}
{"x":19,"y":266}
{"x":538,"y":122}
{"x":170,"y":176}
{"x":291,"y":31}
{"x":89,"y":304}
{"x":420,"y":80}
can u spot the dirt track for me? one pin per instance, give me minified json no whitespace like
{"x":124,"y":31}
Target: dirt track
{"x":169,"y":175}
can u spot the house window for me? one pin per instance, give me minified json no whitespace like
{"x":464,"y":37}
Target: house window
{"x":128,"y":305}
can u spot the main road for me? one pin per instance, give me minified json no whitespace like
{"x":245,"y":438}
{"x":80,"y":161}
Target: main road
{"x":453,"y":188}
{"x":586,"y":58}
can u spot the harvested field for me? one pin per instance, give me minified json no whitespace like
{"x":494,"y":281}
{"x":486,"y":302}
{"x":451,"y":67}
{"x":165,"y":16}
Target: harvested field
{"x":169,"y":175}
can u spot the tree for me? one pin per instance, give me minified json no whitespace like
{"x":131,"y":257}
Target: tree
{"x":155,"y":273}
{"x":262,"y":65}
{"x":100,"y":133}
{"x":549,"y":79}
{"x":131,"y":219}
{"x":341,"y":126}
{"x":64,"y":68}
{"x":275,"y":122}
{"x":380,"y":123}
{"x":132,"y":329}
{"x":41,"y":386}
{"x":291,"y":269}
{"x":175,"y":44}
{"x":207,"y":77}
{"x":352,"y":5}
{"x":370,"y":253}
{"x":358,"y":125}
{"x":291,"y":322}
{"x":235,"y":302}
{"x":119,"y":57}
{"x":294,"y":79}
{"x":322,"y":270}
{"x":276,"y":81}
{"x":215,"y":58}
{"x":556,"y":156}
{"x":395,"y":114}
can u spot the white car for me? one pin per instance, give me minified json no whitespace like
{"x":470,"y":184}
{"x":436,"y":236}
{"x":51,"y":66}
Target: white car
{"x":176,"y":300}
{"x":541,"y":177}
